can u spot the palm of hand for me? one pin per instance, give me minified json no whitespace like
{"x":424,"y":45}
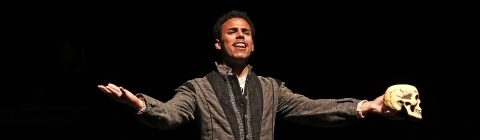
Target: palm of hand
{"x":120,"y":94}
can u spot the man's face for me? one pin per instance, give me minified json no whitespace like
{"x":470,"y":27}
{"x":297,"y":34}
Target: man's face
{"x":236,"y":41}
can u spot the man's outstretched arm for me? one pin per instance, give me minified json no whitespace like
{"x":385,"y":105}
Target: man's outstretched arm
{"x":324,"y":112}
{"x":154,"y":113}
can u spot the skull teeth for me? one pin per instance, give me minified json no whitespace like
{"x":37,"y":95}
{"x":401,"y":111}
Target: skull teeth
{"x":418,"y":111}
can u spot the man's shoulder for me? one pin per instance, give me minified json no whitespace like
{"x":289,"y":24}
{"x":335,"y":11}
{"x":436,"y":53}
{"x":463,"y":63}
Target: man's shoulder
{"x":189,"y":83}
{"x":276,"y":81}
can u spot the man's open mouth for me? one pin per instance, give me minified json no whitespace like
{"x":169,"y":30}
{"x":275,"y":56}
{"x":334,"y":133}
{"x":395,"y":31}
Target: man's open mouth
{"x":240,"y":44}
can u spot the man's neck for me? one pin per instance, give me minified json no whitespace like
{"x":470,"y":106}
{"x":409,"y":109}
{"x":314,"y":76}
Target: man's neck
{"x":239,"y":69}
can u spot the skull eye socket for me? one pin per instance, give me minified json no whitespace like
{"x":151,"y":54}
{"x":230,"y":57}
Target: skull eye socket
{"x":412,"y":108}
{"x":416,"y":97}
{"x":400,"y":103}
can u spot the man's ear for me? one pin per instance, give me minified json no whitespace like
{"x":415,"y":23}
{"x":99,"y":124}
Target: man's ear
{"x":218,"y":45}
{"x":253,"y":46}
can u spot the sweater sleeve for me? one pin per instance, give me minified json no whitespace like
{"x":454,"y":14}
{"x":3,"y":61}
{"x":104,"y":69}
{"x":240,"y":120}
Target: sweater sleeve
{"x":317,"y":112}
{"x":171,"y":114}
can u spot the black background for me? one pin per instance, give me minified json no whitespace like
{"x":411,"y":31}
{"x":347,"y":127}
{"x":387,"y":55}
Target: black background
{"x":56,"y":53}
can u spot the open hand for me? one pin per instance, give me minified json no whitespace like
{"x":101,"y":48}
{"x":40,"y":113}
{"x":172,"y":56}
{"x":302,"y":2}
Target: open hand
{"x":122,"y":95}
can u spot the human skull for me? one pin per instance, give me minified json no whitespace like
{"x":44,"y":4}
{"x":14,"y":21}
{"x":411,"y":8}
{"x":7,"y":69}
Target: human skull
{"x":406,"y":97}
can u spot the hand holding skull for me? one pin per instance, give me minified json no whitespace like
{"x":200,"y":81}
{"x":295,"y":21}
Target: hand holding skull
{"x":398,"y":102}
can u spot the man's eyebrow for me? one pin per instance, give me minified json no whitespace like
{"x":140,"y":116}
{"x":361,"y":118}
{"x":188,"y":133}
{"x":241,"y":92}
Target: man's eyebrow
{"x":236,"y":29}
{"x":233,"y":28}
{"x":245,"y":29}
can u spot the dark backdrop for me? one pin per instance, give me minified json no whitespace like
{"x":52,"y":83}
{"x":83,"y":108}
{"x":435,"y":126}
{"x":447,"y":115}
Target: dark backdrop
{"x":56,"y":53}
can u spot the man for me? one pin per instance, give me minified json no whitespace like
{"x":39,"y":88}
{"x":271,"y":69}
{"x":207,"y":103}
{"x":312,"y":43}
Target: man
{"x":232,"y":102}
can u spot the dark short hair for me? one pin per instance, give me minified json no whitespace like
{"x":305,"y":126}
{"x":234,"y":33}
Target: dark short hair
{"x":217,"y":29}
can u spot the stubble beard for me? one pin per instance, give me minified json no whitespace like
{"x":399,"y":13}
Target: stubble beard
{"x":235,"y":59}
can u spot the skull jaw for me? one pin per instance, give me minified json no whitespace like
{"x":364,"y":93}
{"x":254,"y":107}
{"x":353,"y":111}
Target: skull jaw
{"x":403,"y":113}
{"x":416,"y":114}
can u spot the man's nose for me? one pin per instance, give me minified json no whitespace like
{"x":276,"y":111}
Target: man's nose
{"x":240,"y":35}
